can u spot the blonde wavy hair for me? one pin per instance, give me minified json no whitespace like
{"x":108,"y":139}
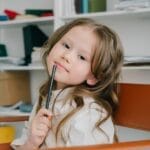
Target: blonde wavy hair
{"x":106,"y":67}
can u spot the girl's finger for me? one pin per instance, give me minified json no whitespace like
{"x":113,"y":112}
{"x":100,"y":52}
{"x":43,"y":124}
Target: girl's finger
{"x":44,"y":112}
{"x":43,"y":126}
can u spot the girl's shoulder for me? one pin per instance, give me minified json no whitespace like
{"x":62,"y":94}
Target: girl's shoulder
{"x":91,"y":110}
{"x":91,"y":105}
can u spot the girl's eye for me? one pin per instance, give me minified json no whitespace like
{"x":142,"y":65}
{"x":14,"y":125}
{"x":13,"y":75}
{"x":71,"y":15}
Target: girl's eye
{"x":66,"y":45}
{"x":82,"y":57}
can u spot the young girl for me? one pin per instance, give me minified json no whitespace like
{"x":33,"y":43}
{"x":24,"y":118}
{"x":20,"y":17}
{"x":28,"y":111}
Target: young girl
{"x":89,"y":57}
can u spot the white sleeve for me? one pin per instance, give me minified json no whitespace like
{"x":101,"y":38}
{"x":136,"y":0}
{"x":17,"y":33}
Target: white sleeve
{"x":82,"y":130}
{"x":21,"y":140}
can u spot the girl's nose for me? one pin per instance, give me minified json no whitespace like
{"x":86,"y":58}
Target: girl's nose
{"x":68,"y":55}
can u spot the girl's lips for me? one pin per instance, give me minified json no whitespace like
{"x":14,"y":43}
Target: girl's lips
{"x":59,"y":65}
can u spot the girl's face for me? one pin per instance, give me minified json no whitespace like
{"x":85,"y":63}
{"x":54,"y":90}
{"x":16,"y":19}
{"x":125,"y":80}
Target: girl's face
{"x":73,"y":54}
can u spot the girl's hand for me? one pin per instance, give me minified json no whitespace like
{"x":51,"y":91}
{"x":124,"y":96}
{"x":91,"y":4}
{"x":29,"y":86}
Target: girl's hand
{"x":39,"y":128}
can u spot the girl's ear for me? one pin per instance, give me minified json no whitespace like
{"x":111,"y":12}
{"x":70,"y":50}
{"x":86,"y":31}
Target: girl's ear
{"x":91,"y":80}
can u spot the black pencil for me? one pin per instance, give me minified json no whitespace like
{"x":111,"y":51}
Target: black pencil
{"x":50,"y":87}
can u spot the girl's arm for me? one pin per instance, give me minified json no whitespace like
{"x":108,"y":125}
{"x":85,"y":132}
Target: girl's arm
{"x":26,"y":146}
{"x":37,"y":131}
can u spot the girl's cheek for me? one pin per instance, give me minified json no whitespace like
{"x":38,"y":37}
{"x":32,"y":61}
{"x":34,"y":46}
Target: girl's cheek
{"x":48,"y":62}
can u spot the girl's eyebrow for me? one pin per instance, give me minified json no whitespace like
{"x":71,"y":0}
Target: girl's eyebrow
{"x":82,"y":50}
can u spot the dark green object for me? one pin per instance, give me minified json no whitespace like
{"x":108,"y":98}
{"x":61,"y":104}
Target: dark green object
{"x":97,"y":5}
{"x":38,"y":12}
{"x":33,"y":37}
{"x":3,"y":51}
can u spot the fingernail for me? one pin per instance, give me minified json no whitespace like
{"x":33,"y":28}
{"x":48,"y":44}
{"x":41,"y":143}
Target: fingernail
{"x":49,"y":117}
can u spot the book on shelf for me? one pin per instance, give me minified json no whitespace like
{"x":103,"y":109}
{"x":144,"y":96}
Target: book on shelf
{"x":78,"y":6}
{"x":85,"y":5}
{"x":39,"y":12}
{"x":97,"y":5}
{"x":72,"y":7}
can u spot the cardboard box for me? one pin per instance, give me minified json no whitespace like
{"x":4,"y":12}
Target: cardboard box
{"x":14,"y":86}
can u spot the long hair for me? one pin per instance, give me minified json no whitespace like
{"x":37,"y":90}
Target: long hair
{"x":106,"y":68}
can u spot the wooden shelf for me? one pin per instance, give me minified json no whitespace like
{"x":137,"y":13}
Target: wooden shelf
{"x":13,"y":118}
{"x":136,"y":67}
{"x":5,"y":65}
{"x":40,"y":20}
{"x":19,"y":68}
{"x":144,"y":12}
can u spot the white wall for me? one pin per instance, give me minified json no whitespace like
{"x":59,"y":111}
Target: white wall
{"x":20,"y":5}
{"x":134,"y":33}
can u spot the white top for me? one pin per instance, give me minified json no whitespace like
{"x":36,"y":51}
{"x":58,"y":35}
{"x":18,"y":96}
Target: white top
{"x":80,"y":129}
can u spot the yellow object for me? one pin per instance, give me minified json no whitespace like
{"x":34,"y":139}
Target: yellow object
{"x":7,"y":134}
